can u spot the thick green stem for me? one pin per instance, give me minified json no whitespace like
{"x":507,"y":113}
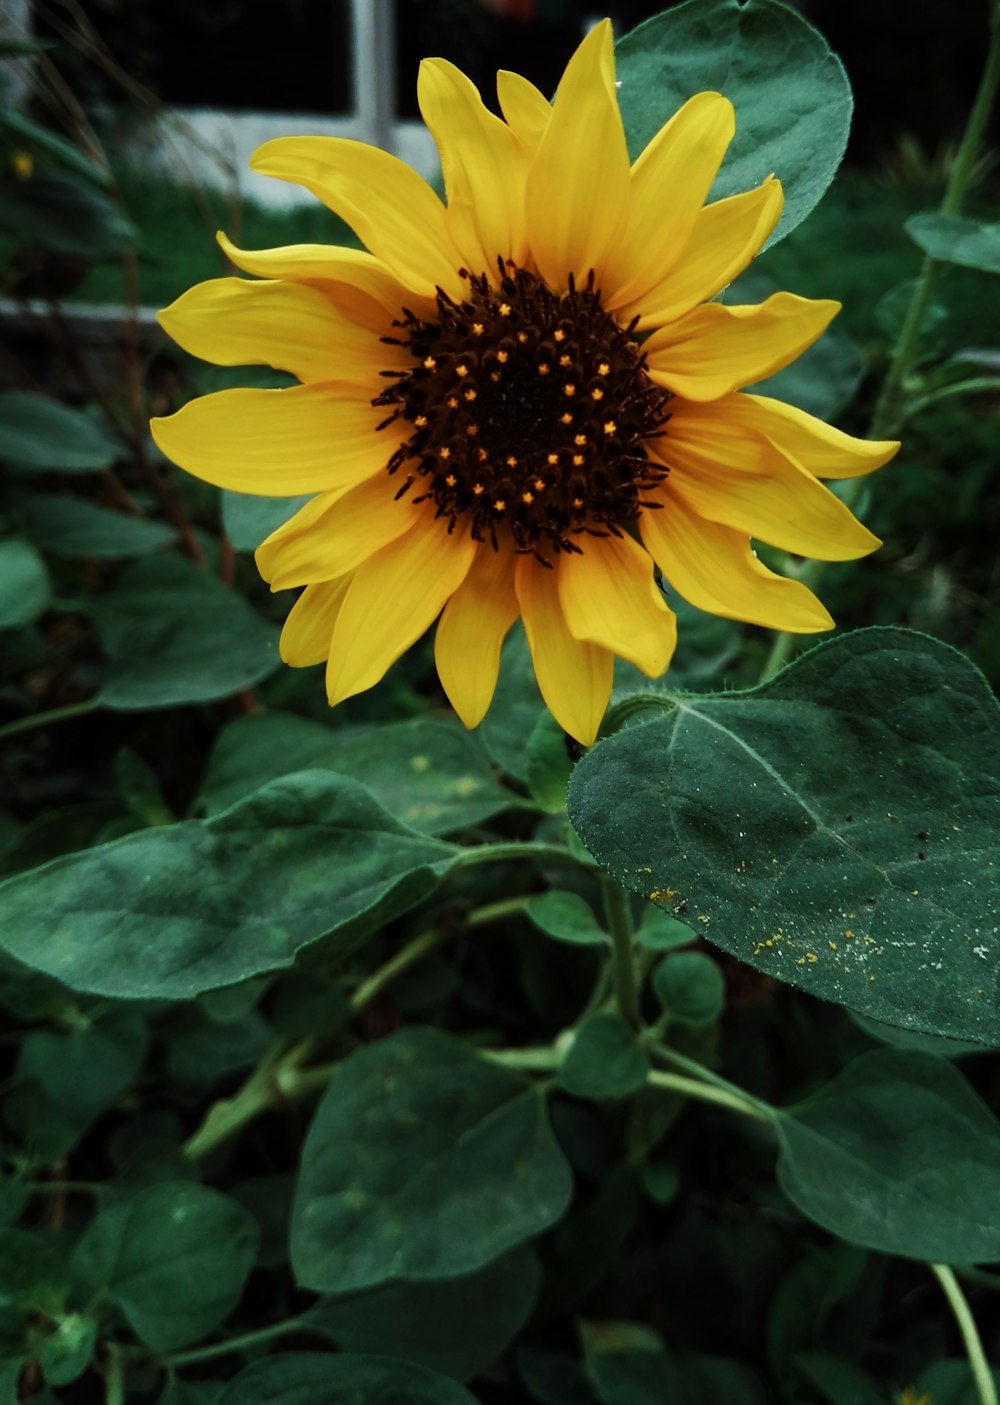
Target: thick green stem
{"x":698,"y":1071}
{"x":619,"y":917}
{"x":888,"y":408}
{"x":114,"y":1375}
{"x":692,"y":1088}
{"x":43,"y":719}
{"x":980,"y":1367}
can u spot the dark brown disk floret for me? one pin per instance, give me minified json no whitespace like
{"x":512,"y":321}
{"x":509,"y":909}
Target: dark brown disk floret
{"x":530,"y":410}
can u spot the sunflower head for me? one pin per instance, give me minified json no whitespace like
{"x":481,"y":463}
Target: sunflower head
{"x":520,"y":401}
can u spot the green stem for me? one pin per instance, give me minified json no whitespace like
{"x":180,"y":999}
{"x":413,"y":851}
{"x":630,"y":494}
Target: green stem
{"x":693,"y":1088}
{"x":980,"y":1367}
{"x":764,"y":1110}
{"x":518,"y":849}
{"x":886,"y":417}
{"x":114,"y":1375}
{"x":541,"y":1060}
{"x":43,"y":719}
{"x":619,"y":917}
{"x":369,"y":990}
{"x":978,"y":385}
{"x":248,"y":1339}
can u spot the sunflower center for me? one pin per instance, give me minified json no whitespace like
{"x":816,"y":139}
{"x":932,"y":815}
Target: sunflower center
{"x":530,"y":411}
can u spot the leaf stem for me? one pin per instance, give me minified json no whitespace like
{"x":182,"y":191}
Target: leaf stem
{"x":693,"y":1088}
{"x":114,"y":1375}
{"x":754,"y":1106}
{"x":43,"y":719}
{"x":887,"y":414}
{"x":619,"y":917}
{"x":248,"y":1339}
{"x":980,"y":1367}
{"x":516,"y":849}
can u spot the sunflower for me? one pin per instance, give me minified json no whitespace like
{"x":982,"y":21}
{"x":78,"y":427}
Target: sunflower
{"x":520,"y":402}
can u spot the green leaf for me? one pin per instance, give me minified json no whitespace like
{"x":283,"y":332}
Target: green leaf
{"x":951,"y":1383}
{"x":247,"y":520}
{"x":835,"y":828}
{"x":627,"y":1366}
{"x":661,"y":931}
{"x":175,"y":635}
{"x":838,"y":1381}
{"x":423,"y":1160}
{"x":515,"y":709}
{"x":174,"y":1259}
{"x":458,"y":1326}
{"x":69,"y":1077}
{"x":55,"y":213}
{"x":897,"y":1154}
{"x":37,"y":432}
{"x":66,"y":1353}
{"x":25,"y":591}
{"x":957,"y":239}
{"x":428,"y":772}
{"x":796,"y":129}
{"x":567,"y":917}
{"x":68,"y":526}
{"x":690,"y":987}
{"x":603,"y":1060}
{"x":315,"y":1378}
{"x":184,"y":908}
{"x":41,"y":139}
{"x":548,"y":764}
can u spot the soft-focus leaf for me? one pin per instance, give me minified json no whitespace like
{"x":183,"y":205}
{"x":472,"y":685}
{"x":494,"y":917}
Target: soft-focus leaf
{"x":423,"y":1160}
{"x":65,"y":1353}
{"x":64,"y":216}
{"x":314,"y":1378}
{"x":604,"y":1059}
{"x":39,"y":138}
{"x":176,"y":635}
{"x":174,"y":1259}
{"x":74,"y":527}
{"x":37,"y":432}
{"x":176,"y":910}
{"x":428,"y":772}
{"x":957,"y":239}
{"x":458,"y":1326}
{"x":247,"y":519}
{"x":516,"y":708}
{"x":897,"y":1154}
{"x":836,"y":827}
{"x":796,"y":129}
{"x":690,"y":987}
{"x":567,"y":917}
{"x":951,"y":1383}
{"x":25,"y":590}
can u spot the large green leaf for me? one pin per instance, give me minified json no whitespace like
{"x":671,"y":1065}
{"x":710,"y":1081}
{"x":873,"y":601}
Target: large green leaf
{"x":184,"y":908}
{"x":458,"y":1326}
{"x":423,"y":1160}
{"x":836,"y":827}
{"x":174,"y":1259}
{"x":428,"y":772}
{"x":247,"y":520}
{"x":897,"y":1154}
{"x":175,"y":634}
{"x":795,"y":128}
{"x":313,"y":1378}
{"x":37,"y":432}
{"x":957,"y":239}
{"x":64,"y":215}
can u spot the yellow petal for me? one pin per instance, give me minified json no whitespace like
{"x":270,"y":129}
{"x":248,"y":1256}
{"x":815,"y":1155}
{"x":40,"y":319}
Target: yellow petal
{"x":307,"y":439}
{"x":714,"y":348}
{"x":334,"y":533}
{"x":670,"y":182}
{"x":305,"y":638}
{"x":471,"y":630}
{"x":391,"y":209}
{"x":576,"y":197}
{"x":526,"y":110}
{"x":609,"y":597}
{"x":715,"y":569}
{"x":350,"y":270}
{"x":813,"y":444}
{"x":763,"y":494}
{"x":484,"y":167}
{"x":289,"y":326}
{"x":393,"y":598}
{"x":726,"y":236}
{"x":574,"y":677}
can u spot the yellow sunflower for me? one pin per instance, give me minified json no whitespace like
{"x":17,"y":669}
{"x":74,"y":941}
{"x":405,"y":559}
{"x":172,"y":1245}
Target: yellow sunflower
{"x":520,"y":402}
